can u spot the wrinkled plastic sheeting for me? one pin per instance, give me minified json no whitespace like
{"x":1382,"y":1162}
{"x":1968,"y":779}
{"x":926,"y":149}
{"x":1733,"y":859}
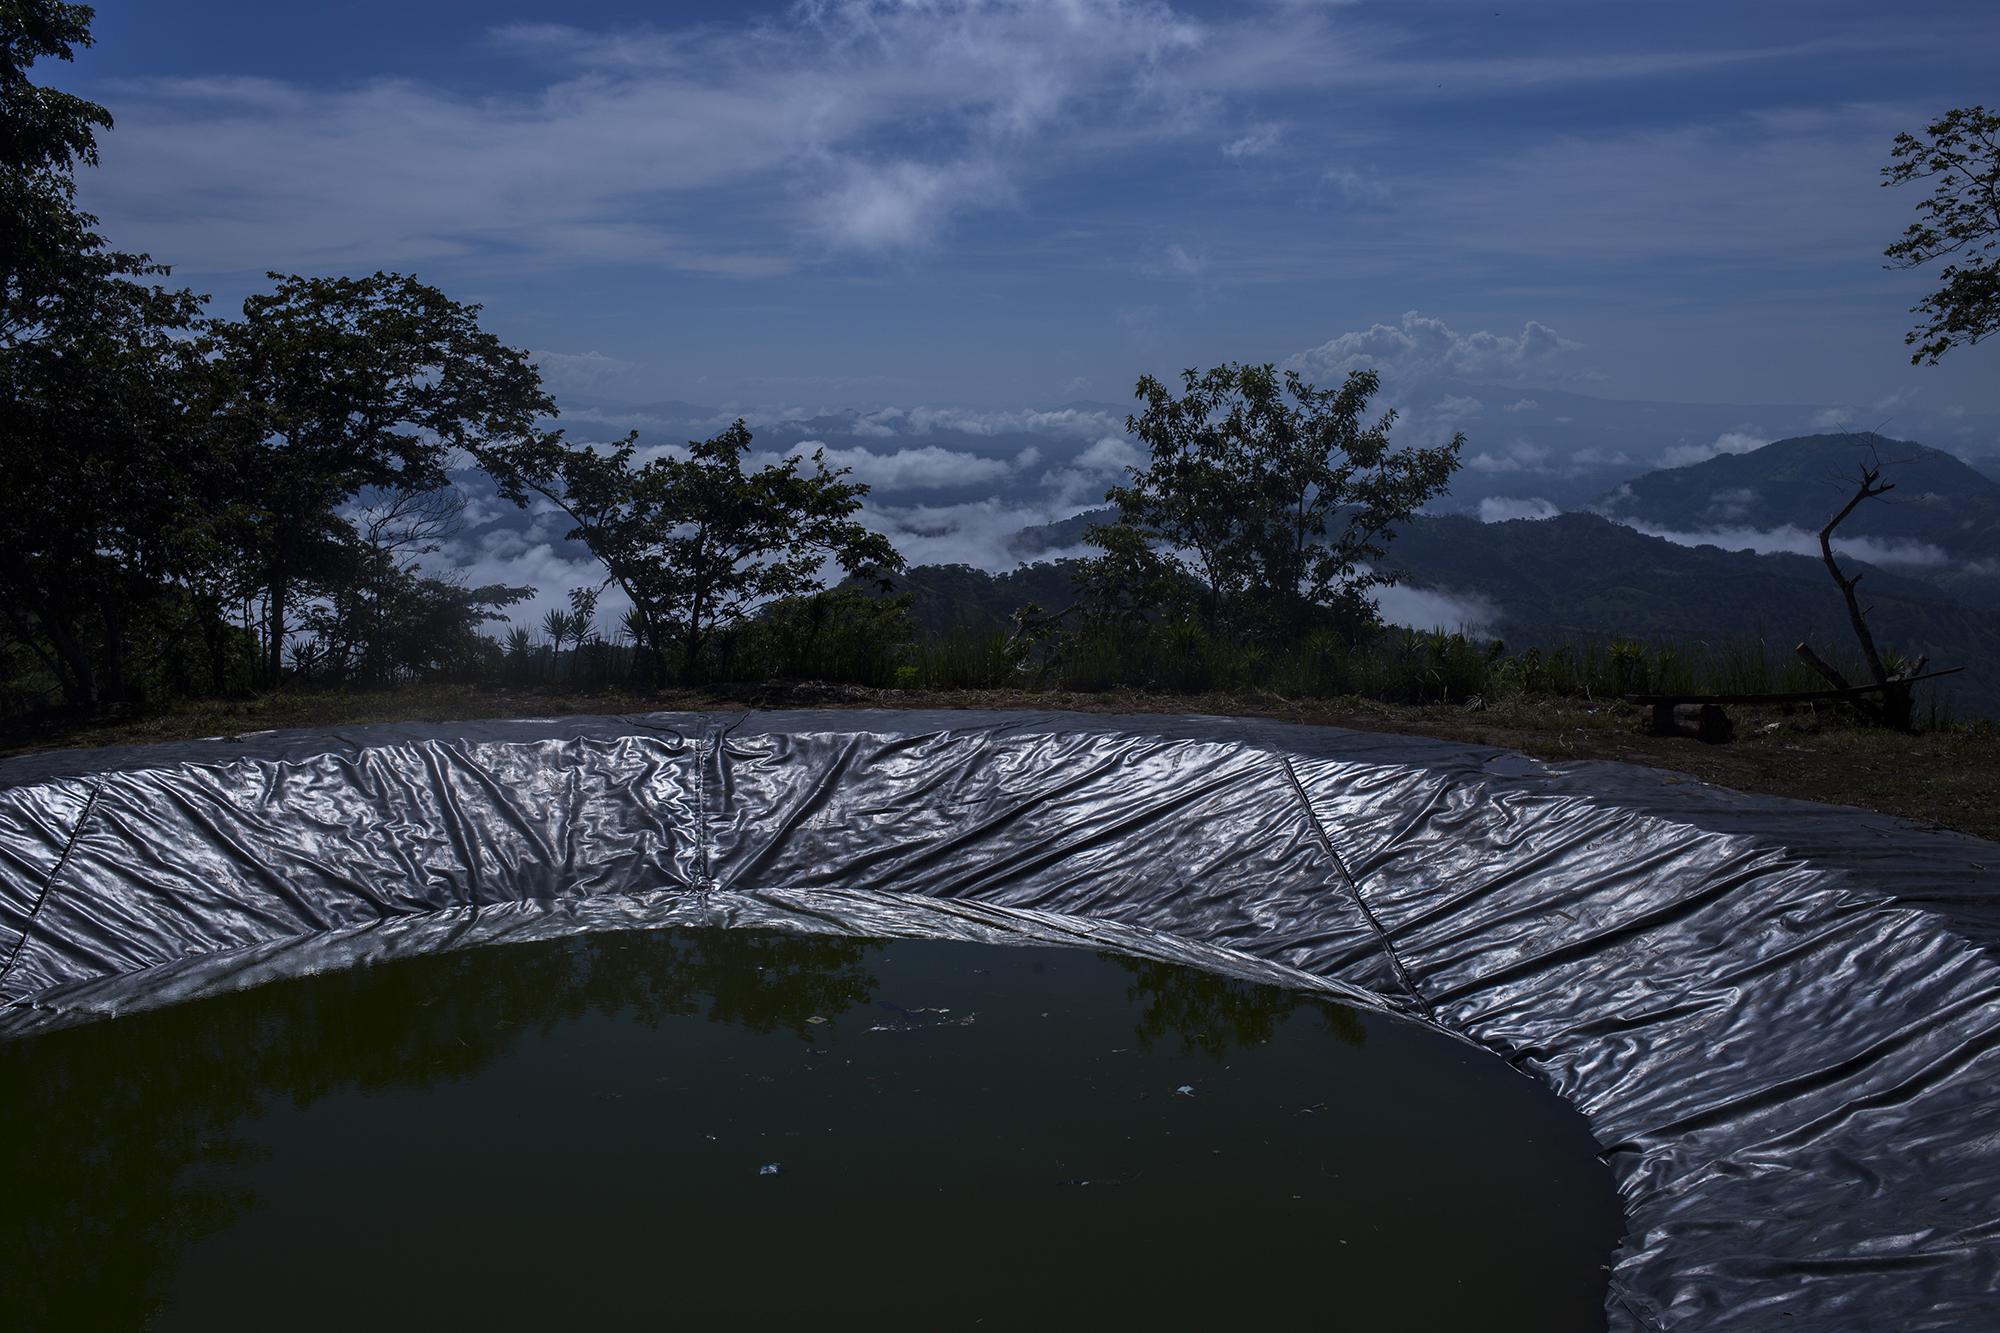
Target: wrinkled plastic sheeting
{"x":1780,"y":1019}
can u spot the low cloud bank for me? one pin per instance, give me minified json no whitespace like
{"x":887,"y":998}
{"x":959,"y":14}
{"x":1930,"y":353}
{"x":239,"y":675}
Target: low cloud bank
{"x":1788,"y":540}
{"x":1437,"y":608}
{"x":1505,"y":508}
{"x":1741,"y":441}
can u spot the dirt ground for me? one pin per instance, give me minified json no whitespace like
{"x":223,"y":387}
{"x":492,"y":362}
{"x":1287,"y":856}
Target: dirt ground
{"x":1948,"y":778}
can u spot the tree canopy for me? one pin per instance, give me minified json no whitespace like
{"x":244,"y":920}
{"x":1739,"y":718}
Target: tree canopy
{"x":1264,"y":502}
{"x":1960,"y":220}
{"x":96,"y":379}
{"x":335,"y":385}
{"x":697,"y":543}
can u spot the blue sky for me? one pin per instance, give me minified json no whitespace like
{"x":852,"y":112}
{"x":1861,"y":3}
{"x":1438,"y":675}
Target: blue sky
{"x":916,"y":231}
{"x":1006,"y":203}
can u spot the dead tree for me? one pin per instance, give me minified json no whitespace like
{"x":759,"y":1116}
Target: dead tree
{"x":1892,"y":707}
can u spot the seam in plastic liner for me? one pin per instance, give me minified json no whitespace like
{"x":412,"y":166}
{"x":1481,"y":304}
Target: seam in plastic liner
{"x":48,"y":884}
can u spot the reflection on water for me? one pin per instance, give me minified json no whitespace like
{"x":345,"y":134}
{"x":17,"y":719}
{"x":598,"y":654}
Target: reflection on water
{"x":1211,"y":1013}
{"x":578,"y":1131}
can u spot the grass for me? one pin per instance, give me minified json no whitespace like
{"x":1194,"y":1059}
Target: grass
{"x":1948,"y":777}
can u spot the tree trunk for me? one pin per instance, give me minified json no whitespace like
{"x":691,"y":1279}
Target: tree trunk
{"x":111,"y":686}
{"x":215,"y":639}
{"x":274,"y":621}
{"x":68,"y":660}
{"x":690,"y":656}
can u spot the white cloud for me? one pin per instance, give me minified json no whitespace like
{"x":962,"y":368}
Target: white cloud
{"x":1520,"y":456}
{"x":1420,"y":345}
{"x":905,"y":204}
{"x":1453,"y":407}
{"x":1521,"y":405}
{"x":979,"y":533}
{"x":1083,"y":481}
{"x":1889,"y":553}
{"x":1740,"y":441}
{"x":1732,"y":504}
{"x":1503,"y":509}
{"x":1833,"y":418}
{"x":1066,"y":421}
{"x":925,"y":468}
{"x":1436,"y":608}
{"x":1357,"y":189}
{"x":1173,"y":261}
{"x":1261,"y":141}
{"x":1110,"y":455}
{"x":570,"y":371}
{"x":868,"y":124}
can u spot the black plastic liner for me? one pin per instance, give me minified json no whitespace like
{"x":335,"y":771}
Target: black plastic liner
{"x":1780,"y":1019}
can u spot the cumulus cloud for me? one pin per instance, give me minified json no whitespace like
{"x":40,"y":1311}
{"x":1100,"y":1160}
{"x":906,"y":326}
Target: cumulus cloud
{"x":1503,"y":509}
{"x":1740,"y":441}
{"x":1083,"y":481}
{"x":1421,"y":345}
{"x":1832,"y":418}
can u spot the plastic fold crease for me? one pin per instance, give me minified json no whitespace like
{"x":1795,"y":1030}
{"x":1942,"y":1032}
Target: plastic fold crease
{"x":1782,"y":1021}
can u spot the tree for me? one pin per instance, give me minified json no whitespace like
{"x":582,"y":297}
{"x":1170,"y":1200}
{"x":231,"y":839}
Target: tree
{"x":1962,"y":218}
{"x":44,"y":133}
{"x":376,"y":617}
{"x":1893,"y":705}
{"x":100,"y":449}
{"x":1264,"y":501}
{"x":696,"y":543}
{"x":342,"y":384}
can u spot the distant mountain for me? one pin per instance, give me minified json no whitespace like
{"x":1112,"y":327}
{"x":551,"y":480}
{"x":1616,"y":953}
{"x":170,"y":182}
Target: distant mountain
{"x":1941,"y":524}
{"x":1581,"y":577}
{"x":1065,"y":534}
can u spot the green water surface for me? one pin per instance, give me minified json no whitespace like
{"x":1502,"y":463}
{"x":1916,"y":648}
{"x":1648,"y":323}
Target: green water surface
{"x":708,"y":1128}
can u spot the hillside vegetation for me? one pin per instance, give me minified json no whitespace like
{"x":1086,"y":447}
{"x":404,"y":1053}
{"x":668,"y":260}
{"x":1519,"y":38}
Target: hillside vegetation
{"x":1941,"y":524}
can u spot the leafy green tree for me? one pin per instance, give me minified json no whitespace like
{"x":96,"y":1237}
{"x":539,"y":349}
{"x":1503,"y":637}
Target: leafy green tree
{"x":377,"y":618}
{"x":1961,"y":153}
{"x":698,"y":543}
{"x":1264,"y":503}
{"x":44,"y":132}
{"x":337,"y":385}
{"x":100,"y":445}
